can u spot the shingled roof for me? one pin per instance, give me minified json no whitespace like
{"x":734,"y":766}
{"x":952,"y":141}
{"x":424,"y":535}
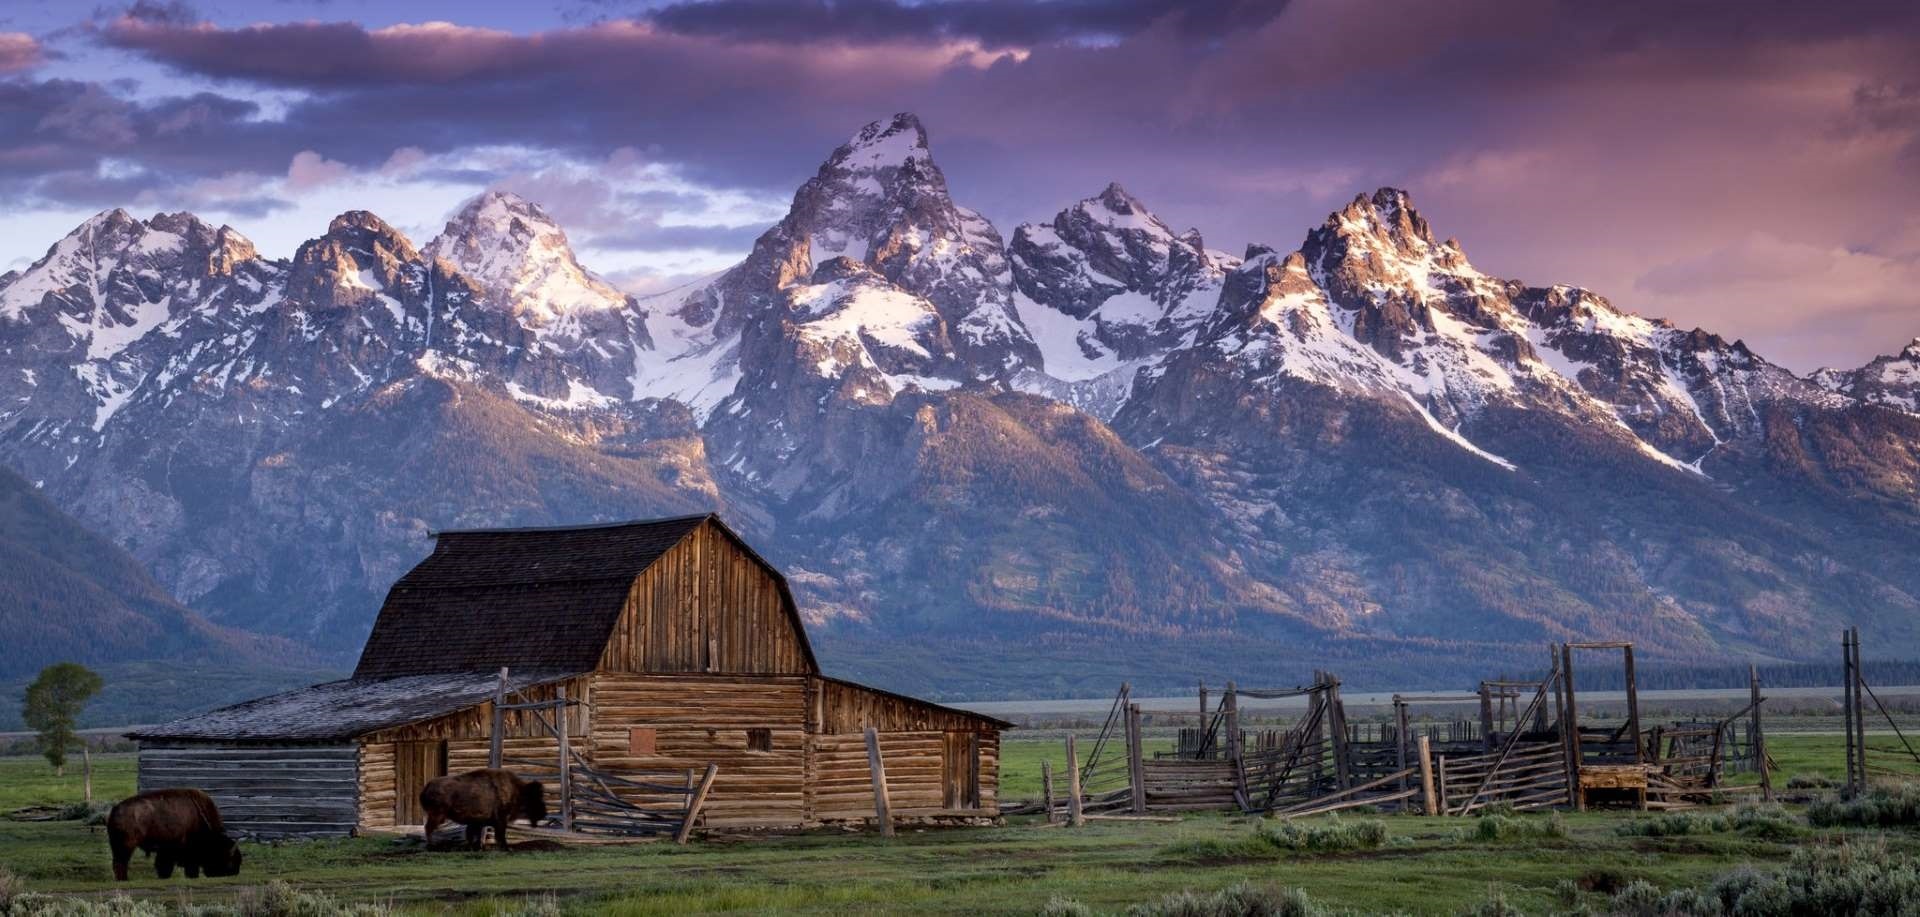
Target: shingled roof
{"x":340,"y":710}
{"x":528,"y":598}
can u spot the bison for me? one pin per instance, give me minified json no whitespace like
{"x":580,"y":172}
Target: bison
{"x":480,"y":799}
{"x":176,"y":826}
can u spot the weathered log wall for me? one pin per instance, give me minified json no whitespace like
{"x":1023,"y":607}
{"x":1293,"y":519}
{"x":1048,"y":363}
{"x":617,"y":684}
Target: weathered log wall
{"x":263,"y":790}
{"x":707,"y":606}
{"x":919,"y":765}
{"x":697,"y":720}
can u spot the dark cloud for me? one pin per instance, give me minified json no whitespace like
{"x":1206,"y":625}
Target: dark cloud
{"x":993,"y":23}
{"x":173,"y":13}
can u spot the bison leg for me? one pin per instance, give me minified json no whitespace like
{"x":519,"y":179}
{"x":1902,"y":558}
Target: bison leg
{"x":193,"y":868}
{"x":500,"y":833}
{"x":475,"y":835}
{"x":432,"y":826}
{"x":163,"y":864}
{"x":122,"y":852}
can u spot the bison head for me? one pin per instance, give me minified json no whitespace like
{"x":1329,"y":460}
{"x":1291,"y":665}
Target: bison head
{"x":223,"y":858}
{"x":533,"y":801}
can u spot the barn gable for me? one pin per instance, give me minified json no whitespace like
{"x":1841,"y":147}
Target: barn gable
{"x":709,"y":605}
{"x":552,"y":598}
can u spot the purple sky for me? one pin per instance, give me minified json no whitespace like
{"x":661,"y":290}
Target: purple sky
{"x":1753,"y":167}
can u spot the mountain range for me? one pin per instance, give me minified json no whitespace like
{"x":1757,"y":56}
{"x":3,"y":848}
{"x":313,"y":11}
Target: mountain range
{"x":1097,"y":433}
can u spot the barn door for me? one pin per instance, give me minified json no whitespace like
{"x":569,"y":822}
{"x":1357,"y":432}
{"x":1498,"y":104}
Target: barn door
{"x":960,"y":771}
{"x":415,"y":763}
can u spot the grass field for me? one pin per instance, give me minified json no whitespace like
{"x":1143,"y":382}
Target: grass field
{"x":1428,"y":865}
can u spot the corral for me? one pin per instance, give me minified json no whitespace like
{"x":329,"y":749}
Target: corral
{"x":655,"y":674}
{"x":1528,"y":749}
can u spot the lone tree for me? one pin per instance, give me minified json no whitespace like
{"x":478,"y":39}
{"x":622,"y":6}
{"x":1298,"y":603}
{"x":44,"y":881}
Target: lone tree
{"x":54,"y":702}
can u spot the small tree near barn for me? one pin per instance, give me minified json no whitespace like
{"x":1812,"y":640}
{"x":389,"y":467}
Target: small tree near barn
{"x":53,"y":705}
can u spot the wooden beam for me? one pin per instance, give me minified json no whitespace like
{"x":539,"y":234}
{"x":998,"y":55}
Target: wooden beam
{"x":878,"y":768}
{"x":496,"y":733}
{"x":1486,"y":718}
{"x":1337,"y":721}
{"x":1400,"y":736}
{"x":1575,"y":754}
{"x":1046,"y":787}
{"x":1859,"y":711}
{"x":1846,"y":704}
{"x":560,"y":729}
{"x":1076,"y":816}
{"x":1236,"y":740}
{"x":1134,"y":755}
{"x":699,"y":800}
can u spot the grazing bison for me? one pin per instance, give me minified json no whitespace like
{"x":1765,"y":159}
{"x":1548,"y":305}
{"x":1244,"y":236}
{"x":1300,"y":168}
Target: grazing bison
{"x":481,"y":799}
{"x":177,"y":826}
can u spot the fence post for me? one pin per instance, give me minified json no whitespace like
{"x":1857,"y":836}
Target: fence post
{"x":1486,"y":718}
{"x":1342,"y":748}
{"x":698,"y":800}
{"x":1859,"y":712}
{"x":1757,"y":738}
{"x":494,"y":750}
{"x":881,"y":809}
{"x":1426,"y":777}
{"x":1076,"y":816}
{"x":1235,"y":748}
{"x":1400,"y":737}
{"x":1046,"y":787}
{"x":1576,"y":754}
{"x":560,"y":728}
{"x":1134,"y":759}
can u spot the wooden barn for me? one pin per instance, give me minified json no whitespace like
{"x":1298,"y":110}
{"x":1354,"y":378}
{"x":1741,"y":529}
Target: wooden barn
{"x":661,"y":655}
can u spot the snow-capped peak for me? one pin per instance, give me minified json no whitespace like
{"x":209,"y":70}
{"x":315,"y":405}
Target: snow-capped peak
{"x":1387,"y":215}
{"x":78,"y":266}
{"x":892,"y":142}
{"x":521,"y":259}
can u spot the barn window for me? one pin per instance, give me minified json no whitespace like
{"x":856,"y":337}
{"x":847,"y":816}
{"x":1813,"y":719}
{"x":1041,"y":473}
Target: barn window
{"x":759,"y":740}
{"x":642,"y":740}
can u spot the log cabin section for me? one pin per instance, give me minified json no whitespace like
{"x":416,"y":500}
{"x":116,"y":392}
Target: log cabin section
{"x":678,"y":647}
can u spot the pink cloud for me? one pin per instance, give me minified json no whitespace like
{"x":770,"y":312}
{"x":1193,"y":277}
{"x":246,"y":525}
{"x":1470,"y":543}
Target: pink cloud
{"x":312,"y":170}
{"x":18,"y":52}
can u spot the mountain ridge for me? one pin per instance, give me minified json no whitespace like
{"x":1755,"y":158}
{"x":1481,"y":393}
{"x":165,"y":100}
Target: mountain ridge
{"x":1100,"y":425}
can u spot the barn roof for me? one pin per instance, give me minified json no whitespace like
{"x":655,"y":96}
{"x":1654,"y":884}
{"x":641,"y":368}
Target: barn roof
{"x":525,"y":598}
{"x":342,"y":710}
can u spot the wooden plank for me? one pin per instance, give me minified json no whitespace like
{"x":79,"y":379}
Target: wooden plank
{"x":1428,"y":803}
{"x":1134,"y":770}
{"x":877,"y":767}
{"x":695,"y":804}
{"x":1076,"y":815}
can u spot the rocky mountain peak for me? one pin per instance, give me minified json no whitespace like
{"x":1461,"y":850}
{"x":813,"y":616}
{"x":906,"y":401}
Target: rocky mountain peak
{"x":355,"y":262}
{"x":898,"y":141}
{"x":1387,"y":215}
{"x":230,"y":249}
{"x":1118,"y":200}
{"x":520,"y":258}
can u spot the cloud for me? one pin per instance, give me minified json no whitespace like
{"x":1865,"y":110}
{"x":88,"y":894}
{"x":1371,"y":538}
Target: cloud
{"x":1805,"y":299}
{"x":993,"y":23}
{"x":19,"y":52}
{"x":312,"y":170}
